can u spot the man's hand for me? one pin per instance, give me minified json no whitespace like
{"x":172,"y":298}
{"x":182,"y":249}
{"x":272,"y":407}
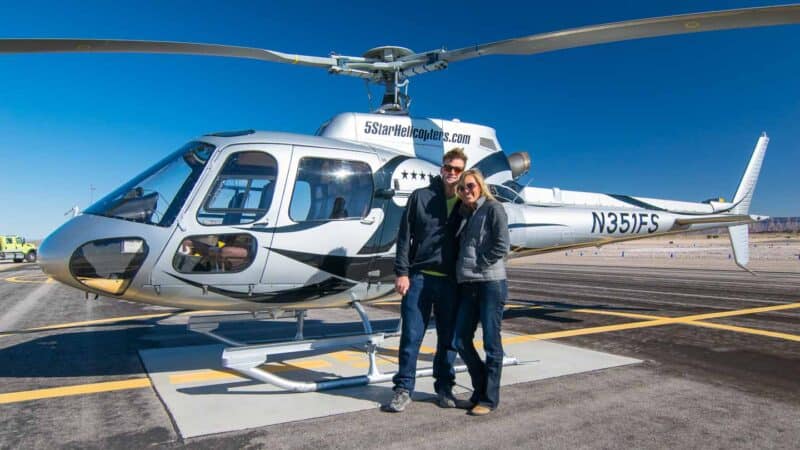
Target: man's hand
{"x":401,"y":284}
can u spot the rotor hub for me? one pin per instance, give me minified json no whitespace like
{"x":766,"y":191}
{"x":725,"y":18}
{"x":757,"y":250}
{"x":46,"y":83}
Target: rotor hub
{"x":387,"y":53}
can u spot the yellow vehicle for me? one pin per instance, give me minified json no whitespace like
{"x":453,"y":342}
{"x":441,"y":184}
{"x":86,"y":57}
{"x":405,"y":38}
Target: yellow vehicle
{"x":15,"y":247}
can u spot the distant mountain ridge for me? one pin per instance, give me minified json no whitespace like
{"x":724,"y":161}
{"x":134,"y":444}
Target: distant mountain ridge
{"x":776,"y":225}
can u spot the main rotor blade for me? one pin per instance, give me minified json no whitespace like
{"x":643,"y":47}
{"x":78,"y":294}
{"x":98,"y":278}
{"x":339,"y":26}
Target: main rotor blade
{"x":628,"y":30}
{"x":176,"y":48}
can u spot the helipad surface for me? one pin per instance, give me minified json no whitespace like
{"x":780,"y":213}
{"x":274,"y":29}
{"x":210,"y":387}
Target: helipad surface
{"x":202,"y":398}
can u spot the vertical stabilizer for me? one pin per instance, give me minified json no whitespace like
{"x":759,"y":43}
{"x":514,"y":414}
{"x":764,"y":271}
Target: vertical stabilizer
{"x":744,"y":194}
{"x":740,"y":242}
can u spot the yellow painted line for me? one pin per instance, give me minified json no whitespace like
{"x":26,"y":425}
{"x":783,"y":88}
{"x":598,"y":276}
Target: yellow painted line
{"x":100,"y":322}
{"x":720,"y":326}
{"x":509,"y":306}
{"x":202,"y":375}
{"x":649,"y":321}
{"x":690,"y":320}
{"x":739,"y":312}
{"x":66,"y":391}
{"x":616,"y":313}
{"x":424,"y":349}
{"x":34,"y":279}
{"x":347,"y":356}
{"x":214,"y":375}
{"x":584,"y":331}
{"x":87,"y":322}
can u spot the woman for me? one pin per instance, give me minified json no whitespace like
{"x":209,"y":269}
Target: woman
{"x":481,"y":273}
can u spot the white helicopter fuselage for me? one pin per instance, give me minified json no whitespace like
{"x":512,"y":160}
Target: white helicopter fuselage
{"x":260,"y":221}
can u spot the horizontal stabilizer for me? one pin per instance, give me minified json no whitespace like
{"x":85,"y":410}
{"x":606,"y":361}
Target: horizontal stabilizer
{"x":714,"y":219}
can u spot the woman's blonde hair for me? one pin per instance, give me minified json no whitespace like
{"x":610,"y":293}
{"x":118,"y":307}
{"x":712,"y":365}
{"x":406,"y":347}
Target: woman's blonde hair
{"x":475,"y":173}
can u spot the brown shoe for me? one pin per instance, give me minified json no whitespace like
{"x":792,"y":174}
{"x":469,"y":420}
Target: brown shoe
{"x":479,"y":410}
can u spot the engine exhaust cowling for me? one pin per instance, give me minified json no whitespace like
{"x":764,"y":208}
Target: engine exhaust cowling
{"x":520,"y":163}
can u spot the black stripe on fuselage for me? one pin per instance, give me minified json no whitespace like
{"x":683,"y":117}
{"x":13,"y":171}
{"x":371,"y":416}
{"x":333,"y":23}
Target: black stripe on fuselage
{"x":635,"y":202}
{"x":531,"y":225}
{"x":493,"y":164}
{"x":351,"y":267}
{"x":302,"y":226}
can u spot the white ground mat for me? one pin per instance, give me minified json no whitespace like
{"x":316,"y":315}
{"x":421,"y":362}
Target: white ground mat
{"x":204,"y":399}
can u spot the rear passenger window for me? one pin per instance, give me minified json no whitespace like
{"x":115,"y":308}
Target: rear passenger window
{"x":243,"y":190}
{"x":331,"y":189}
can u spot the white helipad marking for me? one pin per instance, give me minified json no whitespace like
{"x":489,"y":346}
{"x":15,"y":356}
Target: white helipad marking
{"x":220,"y":404}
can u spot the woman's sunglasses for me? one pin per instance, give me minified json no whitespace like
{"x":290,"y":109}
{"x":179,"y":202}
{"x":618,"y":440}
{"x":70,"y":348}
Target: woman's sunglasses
{"x":467,"y":187}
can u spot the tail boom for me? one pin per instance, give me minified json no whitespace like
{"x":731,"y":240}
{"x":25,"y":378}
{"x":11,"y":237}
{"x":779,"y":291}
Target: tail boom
{"x":553,"y":220}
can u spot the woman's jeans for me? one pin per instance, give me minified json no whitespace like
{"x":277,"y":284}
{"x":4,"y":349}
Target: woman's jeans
{"x":482,"y":301}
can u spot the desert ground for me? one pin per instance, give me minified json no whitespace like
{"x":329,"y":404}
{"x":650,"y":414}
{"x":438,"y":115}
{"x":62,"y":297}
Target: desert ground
{"x":774,"y":252}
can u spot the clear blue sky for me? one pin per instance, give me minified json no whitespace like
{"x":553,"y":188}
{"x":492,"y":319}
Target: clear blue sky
{"x":673,"y":117}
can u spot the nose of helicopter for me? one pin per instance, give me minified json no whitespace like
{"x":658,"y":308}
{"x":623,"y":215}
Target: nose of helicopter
{"x":86,"y":253}
{"x":54,"y":254}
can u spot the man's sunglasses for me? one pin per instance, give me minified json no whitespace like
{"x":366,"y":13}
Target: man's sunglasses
{"x":467,"y":187}
{"x":454,"y":169}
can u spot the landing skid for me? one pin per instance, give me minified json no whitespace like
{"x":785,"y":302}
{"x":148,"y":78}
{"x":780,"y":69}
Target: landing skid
{"x":248,"y":359}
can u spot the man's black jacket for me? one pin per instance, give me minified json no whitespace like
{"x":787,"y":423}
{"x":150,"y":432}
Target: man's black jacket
{"x":426,"y":238}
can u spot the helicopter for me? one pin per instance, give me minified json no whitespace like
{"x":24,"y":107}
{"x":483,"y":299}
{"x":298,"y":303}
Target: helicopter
{"x":272,"y":224}
{"x":268,"y":221}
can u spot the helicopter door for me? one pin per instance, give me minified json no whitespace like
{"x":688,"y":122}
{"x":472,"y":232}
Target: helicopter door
{"x":326,"y":218}
{"x":222,"y":239}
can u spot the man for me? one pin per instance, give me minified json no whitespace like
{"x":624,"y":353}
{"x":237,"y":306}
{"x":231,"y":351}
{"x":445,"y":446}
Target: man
{"x":425,"y":269}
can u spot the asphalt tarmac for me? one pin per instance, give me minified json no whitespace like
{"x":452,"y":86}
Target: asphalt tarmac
{"x":721,"y":370}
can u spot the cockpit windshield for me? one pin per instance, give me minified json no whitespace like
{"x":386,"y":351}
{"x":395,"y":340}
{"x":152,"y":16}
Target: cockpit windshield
{"x":156,"y":195}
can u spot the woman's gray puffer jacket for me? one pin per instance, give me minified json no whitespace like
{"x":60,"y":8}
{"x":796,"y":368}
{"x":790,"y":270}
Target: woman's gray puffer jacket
{"x":483,"y":243}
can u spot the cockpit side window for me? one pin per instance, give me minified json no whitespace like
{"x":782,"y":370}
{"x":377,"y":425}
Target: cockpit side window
{"x":243,"y":190}
{"x":330,"y":189}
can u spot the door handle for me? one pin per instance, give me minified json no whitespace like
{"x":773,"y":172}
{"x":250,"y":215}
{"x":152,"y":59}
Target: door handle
{"x":368,"y":220}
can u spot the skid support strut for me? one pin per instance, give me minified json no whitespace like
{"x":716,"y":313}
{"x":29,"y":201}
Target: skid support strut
{"x":248,"y":359}
{"x":209,"y":324}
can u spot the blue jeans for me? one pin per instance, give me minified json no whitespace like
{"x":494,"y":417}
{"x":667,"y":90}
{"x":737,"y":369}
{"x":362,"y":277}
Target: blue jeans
{"x":482,"y":301}
{"x":426,"y":293}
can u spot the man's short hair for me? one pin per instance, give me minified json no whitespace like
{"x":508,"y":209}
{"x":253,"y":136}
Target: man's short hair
{"x":455,"y":153}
